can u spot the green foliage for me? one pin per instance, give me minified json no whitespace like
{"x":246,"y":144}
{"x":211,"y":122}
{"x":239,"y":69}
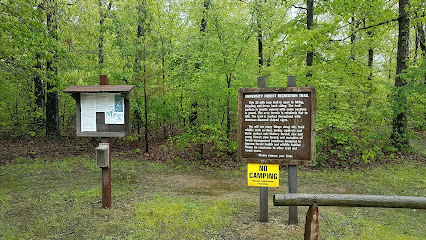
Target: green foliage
{"x":131,"y":138}
{"x":191,"y":60}
{"x":368,"y":156}
{"x":204,"y":135}
{"x":321,"y":159}
{"x":415,"y":92}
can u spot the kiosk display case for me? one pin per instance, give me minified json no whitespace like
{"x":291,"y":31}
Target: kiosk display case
{"x":102,"y":111}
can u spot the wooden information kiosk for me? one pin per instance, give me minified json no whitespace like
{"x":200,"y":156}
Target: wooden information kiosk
{"x":102,"y":111}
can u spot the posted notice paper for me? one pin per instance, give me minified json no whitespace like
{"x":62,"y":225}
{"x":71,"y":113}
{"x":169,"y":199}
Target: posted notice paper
{"x":109,"y":103}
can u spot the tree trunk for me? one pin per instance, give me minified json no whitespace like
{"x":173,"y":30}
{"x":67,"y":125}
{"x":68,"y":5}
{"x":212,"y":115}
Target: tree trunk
{"x":145,"y":97}
{"x":52,"y":105}
{"x":39,"y":94}
{"x":101,"y":35}
{"x":422,"y":43}
{"x":138,"y":120}
{"x":260,"y":49}
{"x":416,"y":43}
{"x":354,"y":27}
{"x":399,"y":124}
{"x":309,"y":25}
{"x":38,"y":84}
{"x":101,"y":38}
{"x":259,"y":41}
{"x":193,"y":114}
{"x":370,"y":62}
{"x":163,"y":65}
{"x":141,"y":32}
{"x":370,"y":65}
{"x":228,"y":108}
{"x":203,"y":19}
{"x":421,"y":35}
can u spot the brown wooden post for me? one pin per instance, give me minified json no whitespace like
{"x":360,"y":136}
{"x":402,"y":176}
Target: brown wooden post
{"x":312,"y":223}
{"x":263,"y":191}
{"x":106,"y":172}
{"x":103,"y":80}
{"x":106,"y":178}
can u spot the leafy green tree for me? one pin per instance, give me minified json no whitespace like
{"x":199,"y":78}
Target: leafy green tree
{"x":399,"y":124}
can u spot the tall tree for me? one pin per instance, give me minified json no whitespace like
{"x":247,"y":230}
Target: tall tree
{"x":102,"y":16}
{"x":52,"y":103}
{"x":38,"y":84}
{"x":399,"y":124}
{"x":141,"y":60}
{"x":193,"y":115}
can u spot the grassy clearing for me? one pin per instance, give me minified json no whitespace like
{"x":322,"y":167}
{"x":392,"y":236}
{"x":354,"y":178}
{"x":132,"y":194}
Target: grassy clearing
{"x":61,"y":200}
{"x":181,"y":217}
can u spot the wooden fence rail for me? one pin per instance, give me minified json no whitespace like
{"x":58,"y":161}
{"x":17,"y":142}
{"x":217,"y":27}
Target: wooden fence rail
{"x":349,"y":200}
{"x":343,"y":200}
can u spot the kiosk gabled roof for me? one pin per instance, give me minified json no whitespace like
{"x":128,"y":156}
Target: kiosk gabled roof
{"x":100,"y":89}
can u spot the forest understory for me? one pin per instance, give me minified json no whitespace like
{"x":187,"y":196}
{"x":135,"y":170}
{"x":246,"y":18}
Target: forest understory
{"x":165,"y":151}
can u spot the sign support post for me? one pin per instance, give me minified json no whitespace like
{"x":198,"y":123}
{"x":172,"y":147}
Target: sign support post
{"x":292,"y":171}
{"x":106,"y":178}
{"x":106,"y":172}
{"x":263,"y":192}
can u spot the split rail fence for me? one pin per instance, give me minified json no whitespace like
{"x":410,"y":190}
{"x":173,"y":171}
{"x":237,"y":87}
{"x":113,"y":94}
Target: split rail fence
{"x":343,"y":200}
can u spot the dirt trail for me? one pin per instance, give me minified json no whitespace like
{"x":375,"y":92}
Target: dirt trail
{"x":247,"y":225}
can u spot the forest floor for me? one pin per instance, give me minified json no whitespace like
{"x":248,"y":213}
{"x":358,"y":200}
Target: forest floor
{"x":52,"y":190}
{"x":11,"y":150}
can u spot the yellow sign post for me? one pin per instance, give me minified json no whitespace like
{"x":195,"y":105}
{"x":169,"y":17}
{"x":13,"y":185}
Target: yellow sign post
{"x":263,"y":175}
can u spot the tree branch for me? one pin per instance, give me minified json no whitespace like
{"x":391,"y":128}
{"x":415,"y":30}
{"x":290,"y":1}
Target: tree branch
{"x":297,"y":7}
{"x":365,"y":28}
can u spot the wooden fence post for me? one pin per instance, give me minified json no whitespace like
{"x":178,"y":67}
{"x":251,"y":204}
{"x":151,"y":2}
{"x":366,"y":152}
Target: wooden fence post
{"x":312,"y":223}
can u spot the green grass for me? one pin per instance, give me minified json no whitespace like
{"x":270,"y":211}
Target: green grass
{"x":46,"y":199}
{"x":165,"y":217}
{"x":372,"y":223}
{"x":407,"y":179}
{"x":392,"y":179}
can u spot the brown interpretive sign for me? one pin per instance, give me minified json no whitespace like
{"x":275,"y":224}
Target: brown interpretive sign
{"x":277,"y":125}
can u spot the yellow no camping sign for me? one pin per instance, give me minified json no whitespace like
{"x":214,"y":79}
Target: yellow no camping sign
{"x":263,"y":175}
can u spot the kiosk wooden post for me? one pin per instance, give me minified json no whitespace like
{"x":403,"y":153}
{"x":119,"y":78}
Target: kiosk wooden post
{"x":106,"y":178}
{"x":106,"y":171}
